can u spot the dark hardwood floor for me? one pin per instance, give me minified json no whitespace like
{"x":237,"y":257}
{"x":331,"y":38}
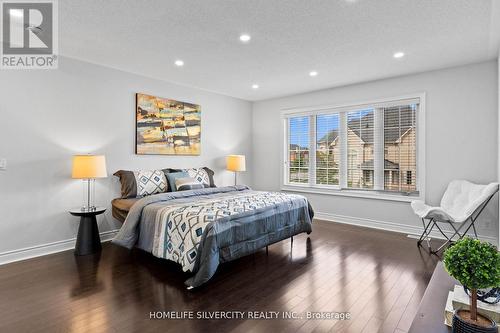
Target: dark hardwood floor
{"x":379,"y":277}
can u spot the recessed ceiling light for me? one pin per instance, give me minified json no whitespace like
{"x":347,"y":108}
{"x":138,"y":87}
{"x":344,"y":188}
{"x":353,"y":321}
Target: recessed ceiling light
{"x":16,"y":12}
{"x":313,"y":73}
{"x":398,"y":55}
{"x":179,"y":63}
{"x":245,"y":38}
{"x":255,"y":86}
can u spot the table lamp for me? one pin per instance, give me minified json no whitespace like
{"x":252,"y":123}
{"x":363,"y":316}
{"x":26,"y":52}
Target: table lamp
{"x":88,"y":168}
{"x":235,"y":163}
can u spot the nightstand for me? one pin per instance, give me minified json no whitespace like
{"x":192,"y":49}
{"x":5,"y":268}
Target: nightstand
{"x":88,"y":240}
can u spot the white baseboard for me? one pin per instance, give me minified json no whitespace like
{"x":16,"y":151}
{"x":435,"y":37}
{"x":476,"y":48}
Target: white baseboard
{"x":64,"y":245}
{"x":49,"y":248}
{"x":388,"y":226}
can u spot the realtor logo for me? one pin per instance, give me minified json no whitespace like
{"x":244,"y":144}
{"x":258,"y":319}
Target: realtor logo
{"x":29,"y":34}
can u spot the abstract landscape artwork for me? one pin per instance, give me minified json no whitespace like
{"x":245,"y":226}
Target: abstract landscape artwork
{"x":167,"y":127}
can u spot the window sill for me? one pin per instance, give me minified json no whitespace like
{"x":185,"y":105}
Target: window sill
{"x":350,"y":193}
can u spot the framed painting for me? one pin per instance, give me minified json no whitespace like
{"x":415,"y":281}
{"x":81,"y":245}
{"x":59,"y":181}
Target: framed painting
{"x":167,"y":127}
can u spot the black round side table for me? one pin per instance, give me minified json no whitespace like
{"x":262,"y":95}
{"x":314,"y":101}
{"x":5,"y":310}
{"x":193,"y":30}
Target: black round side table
{"x":88,"y":240}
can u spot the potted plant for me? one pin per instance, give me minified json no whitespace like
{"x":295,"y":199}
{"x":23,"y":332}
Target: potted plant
{"x":476,"y":265}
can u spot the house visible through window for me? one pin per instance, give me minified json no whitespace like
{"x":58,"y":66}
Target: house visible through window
{"x":327,"y":149}
{"x":299,"y":150}
{"x":369,"y":147}
{"x":408,"y":177}
{"x":400,"y":152}
{"x":360,"y":140}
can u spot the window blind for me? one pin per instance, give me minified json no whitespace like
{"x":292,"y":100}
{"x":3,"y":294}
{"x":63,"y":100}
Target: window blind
{"x":369,"y":147}
{"x":400,"y":154}
{"x":328,"y":149}
{"x":298,"y":149}
{"x":360,"y":166}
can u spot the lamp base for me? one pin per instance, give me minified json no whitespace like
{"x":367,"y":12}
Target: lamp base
{"x":88,"y":209}
{"x":88,"y":196}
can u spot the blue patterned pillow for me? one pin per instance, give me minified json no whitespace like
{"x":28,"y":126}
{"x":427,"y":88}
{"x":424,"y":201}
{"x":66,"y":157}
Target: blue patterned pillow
{"x":173,"y":176}
{"x":150,"y":182}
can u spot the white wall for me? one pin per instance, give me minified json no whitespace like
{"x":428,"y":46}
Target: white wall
{"x":48,"y":116}
{"x":461,"y":140}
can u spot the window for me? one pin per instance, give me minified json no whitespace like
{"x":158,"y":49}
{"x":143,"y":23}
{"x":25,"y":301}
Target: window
{"x":409,"y":180}
{"x":400,"y":152}
{"x":370,"y":147}
{"x":327,"y":149}
{"x":298,"y":155}
{"x":360,"y":145}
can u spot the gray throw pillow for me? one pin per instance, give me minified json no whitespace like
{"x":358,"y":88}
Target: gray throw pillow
{"x":187,"y":183}
{"x":173,"y":176}
{"x":203,"y":175}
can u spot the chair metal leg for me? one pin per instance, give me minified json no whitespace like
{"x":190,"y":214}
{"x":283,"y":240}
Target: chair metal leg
{"x":457,"y":231}
{"x":424,"y":233}
{"x":449,"y":239}
{"x":472,"y":221}
{"x":475,"y":216}
{"x":444,"y":235}
{"x":428,"y":230}
{"x":474,"y":228}
{"x":428,"y":237}
{"x":441,"y":247}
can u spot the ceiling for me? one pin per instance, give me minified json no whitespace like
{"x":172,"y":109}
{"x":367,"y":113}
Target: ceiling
{"x":345,"y":41}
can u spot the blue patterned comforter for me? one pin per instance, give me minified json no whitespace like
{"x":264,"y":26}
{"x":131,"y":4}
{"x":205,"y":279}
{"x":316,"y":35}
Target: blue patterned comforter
{"x":201,"y":228}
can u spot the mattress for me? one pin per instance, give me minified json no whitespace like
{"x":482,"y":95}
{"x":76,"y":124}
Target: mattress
{"x":121,"y":207}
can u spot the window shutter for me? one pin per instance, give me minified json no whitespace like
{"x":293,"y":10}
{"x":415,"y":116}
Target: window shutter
{"x":400,"y":154}
{"x":365,"y":147}
{"x":298,"y":149}
{"x":327,"y":149}
{"x":360,"y":153}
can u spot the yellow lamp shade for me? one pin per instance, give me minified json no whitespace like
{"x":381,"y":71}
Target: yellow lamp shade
{"x":235,"y":163}
{"x":89,"y":167}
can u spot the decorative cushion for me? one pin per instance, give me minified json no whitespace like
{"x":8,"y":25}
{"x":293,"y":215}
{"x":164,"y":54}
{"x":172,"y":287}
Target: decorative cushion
{"x":189,"y":183}
{"x":173,"y":176}
{"x":127,"y":180}
{"x":150,"y":182}
{"x":129,"y":183}
{"x":203,"y":175}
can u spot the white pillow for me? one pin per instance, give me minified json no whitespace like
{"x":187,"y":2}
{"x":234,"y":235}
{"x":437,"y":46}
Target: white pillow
{"x":150,"y":182}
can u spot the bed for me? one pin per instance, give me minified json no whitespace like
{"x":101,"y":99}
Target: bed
{"x":199,"y":229}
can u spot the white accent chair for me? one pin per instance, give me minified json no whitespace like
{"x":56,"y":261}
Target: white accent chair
{"x":462,"y":201}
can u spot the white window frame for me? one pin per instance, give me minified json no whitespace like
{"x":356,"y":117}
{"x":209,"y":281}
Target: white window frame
{"x":340,"y":190}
